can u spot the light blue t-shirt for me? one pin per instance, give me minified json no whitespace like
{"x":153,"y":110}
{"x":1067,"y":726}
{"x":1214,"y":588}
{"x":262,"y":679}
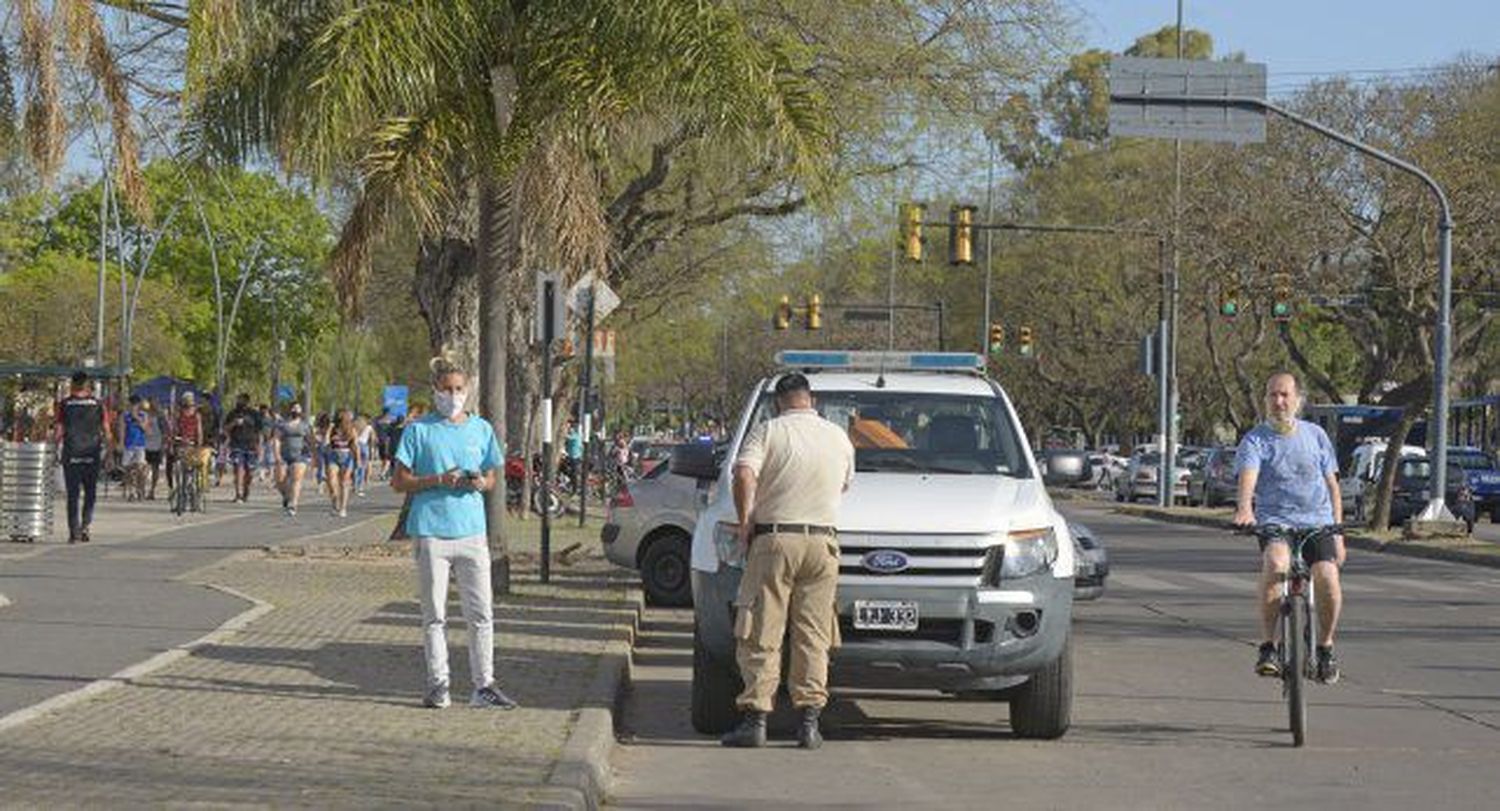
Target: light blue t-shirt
{"x":433,"y":445}
{"x":1292,"y":489}
{"x":573,"y":444}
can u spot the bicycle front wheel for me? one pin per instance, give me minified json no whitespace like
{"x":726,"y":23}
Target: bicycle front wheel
{"x":1294,"y":667}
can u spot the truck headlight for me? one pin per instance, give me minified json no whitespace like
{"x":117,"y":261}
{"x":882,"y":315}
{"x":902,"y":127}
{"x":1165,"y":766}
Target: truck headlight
{"x":1027,"y":551}
{"x":727,"y":544}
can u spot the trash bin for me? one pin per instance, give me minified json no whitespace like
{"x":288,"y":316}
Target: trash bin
{"x":26,"y":472}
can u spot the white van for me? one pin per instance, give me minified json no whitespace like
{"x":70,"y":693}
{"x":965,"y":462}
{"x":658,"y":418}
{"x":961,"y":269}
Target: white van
{"x":1357,"y":480}
{"x":955,"y":572}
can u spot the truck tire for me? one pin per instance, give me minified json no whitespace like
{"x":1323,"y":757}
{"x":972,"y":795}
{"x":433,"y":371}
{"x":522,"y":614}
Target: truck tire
{"x":1043,"y":706}
{"x":664,"y":569}
{"x":714,"y":690}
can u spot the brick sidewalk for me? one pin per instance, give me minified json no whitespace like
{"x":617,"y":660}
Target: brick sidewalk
{"x":317,"y":703}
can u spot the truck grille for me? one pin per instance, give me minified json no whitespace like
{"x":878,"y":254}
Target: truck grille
{"x":932,"y":560}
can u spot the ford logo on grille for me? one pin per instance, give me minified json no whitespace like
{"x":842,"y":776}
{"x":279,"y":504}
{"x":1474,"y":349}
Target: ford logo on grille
{"x":885,"y":561}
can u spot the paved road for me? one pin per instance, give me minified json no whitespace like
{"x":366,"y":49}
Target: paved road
{"x":1167,"y":712}
{"x":81,"y":613}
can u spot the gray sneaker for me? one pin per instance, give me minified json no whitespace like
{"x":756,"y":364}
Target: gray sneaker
{"x":490,"y":696}
{"x":437,"y":697}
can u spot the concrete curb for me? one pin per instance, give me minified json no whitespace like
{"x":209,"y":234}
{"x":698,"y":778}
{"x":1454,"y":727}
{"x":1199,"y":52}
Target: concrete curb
{"x":1404,"y":548}
{"x":581,"y":777}
{"x":258,"y":608}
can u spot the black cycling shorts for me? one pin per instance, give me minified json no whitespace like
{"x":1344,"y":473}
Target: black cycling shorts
{"x":1325,"y":548}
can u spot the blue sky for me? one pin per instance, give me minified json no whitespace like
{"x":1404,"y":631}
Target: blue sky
{"x":1302,"y":39}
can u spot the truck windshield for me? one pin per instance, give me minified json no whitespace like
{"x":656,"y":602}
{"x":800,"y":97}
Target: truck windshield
{"x":920,"y":433}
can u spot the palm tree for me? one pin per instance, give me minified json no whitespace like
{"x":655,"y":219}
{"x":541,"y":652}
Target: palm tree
{"x":421,"y":101}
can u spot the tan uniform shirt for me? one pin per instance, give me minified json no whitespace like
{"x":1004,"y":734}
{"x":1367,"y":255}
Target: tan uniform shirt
{"x":802,"y":464}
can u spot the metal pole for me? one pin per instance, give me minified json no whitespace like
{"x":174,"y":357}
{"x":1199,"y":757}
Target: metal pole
{"x":1163,"y":381}
{"x":1436,"y":509}
{"x":584,"y":413}
{"x":546,"y":484}
{"x":1168,"y":481}
{"x":103,"y":241}
{"x":890,"y":293}
{"x":989,"y":254}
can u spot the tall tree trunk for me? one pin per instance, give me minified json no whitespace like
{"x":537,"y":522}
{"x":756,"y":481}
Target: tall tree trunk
{"x":499,"y":256}
{"x":446,"y":287}
{"x":1380,"y":519}
{"x":496,"y":253}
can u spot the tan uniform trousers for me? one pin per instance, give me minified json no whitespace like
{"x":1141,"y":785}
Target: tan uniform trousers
{"x":789,"y":579}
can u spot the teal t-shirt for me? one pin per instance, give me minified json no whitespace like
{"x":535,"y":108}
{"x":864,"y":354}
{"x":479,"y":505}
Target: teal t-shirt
{"x":433,"y":445}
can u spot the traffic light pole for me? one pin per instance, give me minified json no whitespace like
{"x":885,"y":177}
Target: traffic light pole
{"x":1437,"y":509}
{"x":1166,"y":343}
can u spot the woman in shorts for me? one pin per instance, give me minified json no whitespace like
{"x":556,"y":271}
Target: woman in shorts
{"x":292,"y":451}
{"x":343,"y":458}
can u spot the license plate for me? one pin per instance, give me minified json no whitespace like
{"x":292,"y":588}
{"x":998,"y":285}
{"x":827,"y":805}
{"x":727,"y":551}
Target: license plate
{"x":885,"y":615}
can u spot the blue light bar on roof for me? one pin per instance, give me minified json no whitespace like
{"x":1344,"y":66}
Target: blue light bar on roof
{"x":881,"y":361}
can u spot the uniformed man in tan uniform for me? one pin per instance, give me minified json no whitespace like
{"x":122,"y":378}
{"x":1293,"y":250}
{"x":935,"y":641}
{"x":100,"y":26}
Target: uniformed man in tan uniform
{"x":788,"y":481}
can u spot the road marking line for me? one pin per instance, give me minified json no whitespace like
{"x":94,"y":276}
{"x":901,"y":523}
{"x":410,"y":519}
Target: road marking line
{"x":1141,"y":582}
{"x":4,"y":601}
{"x":257,"y":609}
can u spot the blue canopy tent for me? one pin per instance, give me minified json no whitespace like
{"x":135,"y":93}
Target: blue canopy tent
{"x":164,"y":390}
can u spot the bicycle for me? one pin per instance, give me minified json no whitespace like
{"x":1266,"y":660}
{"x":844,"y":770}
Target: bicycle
{"x":1299,"y":620}
{"x":190,"y":492}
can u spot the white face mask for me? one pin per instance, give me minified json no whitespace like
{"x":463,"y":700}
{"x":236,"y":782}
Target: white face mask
{"x":448,"y":404}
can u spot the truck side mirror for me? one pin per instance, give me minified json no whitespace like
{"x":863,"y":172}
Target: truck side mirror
{"x":696,"y":460}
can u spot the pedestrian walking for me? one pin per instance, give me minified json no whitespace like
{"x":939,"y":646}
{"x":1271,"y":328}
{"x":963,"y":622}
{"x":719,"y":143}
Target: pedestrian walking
{"x":446,"y":462}
{"x":789,"y":480}
{"x":573,"y":455}
{"x":157,"y":430}
{"x":269,"y":470}
{"x":242,"y":432}
{"x":293,"y":451}
{"x":343,"y":457}
{"x":364,"y":440}
{"x":84,"y":432}
{"x":132,"y":438}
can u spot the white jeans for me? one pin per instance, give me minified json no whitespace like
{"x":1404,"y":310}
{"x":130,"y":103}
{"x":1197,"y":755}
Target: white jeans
{"x":469,"y":558}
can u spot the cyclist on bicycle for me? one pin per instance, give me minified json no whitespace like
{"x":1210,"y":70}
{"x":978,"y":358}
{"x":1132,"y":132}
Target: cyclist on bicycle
{"x":187,"y":437}
{"x":1288,"y":476}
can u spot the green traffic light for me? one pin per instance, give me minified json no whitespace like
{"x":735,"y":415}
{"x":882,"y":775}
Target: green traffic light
{"x":1229,"y":309}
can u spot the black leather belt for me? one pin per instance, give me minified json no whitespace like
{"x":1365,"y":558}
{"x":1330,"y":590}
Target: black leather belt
{"x":794,"y":529}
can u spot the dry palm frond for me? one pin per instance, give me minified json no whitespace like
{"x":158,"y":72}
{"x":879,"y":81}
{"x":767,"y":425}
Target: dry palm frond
{"x":349,"y":265}
{"x":87,"y":42}
{"x":45,"y":130}
{"x":558,"y":198}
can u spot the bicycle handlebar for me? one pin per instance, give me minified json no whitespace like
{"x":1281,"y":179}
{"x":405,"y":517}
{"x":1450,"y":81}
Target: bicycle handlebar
{"x":1282,"y":530}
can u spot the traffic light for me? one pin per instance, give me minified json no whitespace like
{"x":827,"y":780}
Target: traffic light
{"x":961,"y":235}
{"x":911,"y":230}
{"x":1024,"y":340}
{"x":783,"y":318}
{"x":1229,"y":302}
{"x":1281,"y":297}
{"x":814,"y":312}
{"x":997,"y":338}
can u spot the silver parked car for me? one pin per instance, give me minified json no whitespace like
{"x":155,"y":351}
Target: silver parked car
{"x":649,"y":528}
{"x":1093,"y":563}
{"x":1140,"y":478}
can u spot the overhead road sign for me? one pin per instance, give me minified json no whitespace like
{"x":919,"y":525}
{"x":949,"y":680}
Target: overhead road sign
{"x":1134,"y":82}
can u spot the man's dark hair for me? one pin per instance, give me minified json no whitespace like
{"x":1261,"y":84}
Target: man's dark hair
{"x":242,"y":399}
{"x":80,"y":379}
{"x":791,"y":384}
{"x":135,"y":399}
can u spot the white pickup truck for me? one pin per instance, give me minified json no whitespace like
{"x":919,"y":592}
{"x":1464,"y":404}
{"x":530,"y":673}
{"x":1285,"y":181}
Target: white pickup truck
{"x":956,"y":572}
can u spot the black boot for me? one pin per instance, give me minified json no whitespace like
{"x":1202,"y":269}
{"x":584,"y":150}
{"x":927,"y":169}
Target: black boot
{"x":749,"y":734}
{"x":808,"y":735}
